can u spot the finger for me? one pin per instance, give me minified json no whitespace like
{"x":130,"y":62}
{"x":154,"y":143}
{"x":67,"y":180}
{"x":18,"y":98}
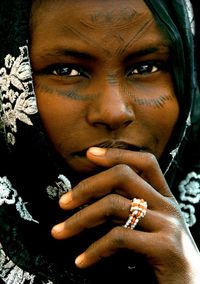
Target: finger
{"x":110,"y":207}
{"x":113,"y":207}
{"x":120,"y":179}
{"x":159,"y":248}
{"x":143,"y":163}
{"x":118,"y":238}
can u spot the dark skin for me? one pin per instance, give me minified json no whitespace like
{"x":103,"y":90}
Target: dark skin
{"x":105,"y":95}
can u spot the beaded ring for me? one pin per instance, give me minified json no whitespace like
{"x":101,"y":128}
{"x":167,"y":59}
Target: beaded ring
{"x":138,"y":210}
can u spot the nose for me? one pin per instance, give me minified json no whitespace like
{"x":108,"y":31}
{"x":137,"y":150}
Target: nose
{"x":111,"y":109}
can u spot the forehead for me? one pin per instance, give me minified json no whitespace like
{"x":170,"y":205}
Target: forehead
{"x":90,"y":5}
{"x":93,"y":23}
{"x":92,"y":13}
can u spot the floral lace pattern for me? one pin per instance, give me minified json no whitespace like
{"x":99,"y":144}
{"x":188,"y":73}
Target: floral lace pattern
{"x":8,"y":195}
{"x":17,"y":95}
{"x":62,"y":186}
{"x":10,"y":273}
{"x":189,"y":190}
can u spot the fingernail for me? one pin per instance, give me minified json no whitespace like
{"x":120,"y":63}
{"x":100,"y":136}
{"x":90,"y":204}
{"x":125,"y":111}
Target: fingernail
{"x":96,"y":151}
{"x":80,"y":260}
{"x":65,"y":199}
{"x":58,"y":228}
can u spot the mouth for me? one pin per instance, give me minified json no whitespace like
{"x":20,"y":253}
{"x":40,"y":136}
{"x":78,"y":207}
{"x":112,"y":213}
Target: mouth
{"x":111,"y":144}
{"x":83,"y":167}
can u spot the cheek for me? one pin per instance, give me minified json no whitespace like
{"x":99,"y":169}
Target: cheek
{"x":159,"y":111}
{"x":167,"y":118}
{"x":62,"y":117}
{"x":163,"y":121}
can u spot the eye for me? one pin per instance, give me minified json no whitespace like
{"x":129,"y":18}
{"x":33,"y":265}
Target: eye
{"x":66,"y":71}
{"x":146,"y":68}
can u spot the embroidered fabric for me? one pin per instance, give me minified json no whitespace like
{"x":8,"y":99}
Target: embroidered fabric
{"x":189,"y":190}
{"x":18,"y":99}
{"x":62,"y":186}
{"x":10,"y":196}
{"x":10,"y":273}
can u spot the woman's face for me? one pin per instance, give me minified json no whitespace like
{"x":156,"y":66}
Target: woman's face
{"x":102,"y":77}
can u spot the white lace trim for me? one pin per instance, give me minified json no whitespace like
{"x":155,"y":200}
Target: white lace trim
{"x":189,"y":190}
{"x":61,"y":187}
{"x":18,"y":99}
{"x":9,"y":195}
{"x":188,"y":212}
{"x":10,"y":273}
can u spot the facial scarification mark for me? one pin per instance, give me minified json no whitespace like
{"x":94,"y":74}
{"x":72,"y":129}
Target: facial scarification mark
{"x":136,"y":36}
{"x":85,"y":38}
{"x":112,"y":17}
{"x":77,"y":33}
{"x":112,"y":79}
{"x":156,"y":102}
{"x":73,"y":94}
{"x":117,"y":21}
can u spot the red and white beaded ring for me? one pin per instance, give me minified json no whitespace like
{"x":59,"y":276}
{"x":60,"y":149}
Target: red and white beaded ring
{"x":138,"y":210}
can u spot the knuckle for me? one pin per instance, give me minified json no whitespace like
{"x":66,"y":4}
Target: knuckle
{"x":122,"y":171}
{"x":82,"y":185}
{"x":173,"y":225}
{"x":117,"y":237}
{"x":112,"y":200}
{"x":81,"y":189}
{"x":169,"y":244}
{"x":173,"y":229}
{"x":78,"y":216}
{"x":150,"y":161}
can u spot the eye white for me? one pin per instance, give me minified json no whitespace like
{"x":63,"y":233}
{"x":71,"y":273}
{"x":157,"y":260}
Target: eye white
{"x":145,"y":69}
{"x":66,"y":72}
{"x":74,"y":72}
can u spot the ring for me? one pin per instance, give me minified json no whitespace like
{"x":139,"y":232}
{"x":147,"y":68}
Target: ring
{"x":138,"y":210}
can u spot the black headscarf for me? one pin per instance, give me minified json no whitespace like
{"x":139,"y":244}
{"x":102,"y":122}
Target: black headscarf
{"x":32,"y":175}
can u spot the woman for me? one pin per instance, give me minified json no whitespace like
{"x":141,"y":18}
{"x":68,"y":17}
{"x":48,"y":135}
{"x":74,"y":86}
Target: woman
{"x":109,"y":111}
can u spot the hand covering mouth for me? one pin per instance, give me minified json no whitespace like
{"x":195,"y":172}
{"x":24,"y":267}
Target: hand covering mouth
{"x":112,"y":144}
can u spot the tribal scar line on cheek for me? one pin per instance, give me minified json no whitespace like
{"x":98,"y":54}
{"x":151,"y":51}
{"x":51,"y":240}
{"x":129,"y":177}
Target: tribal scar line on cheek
{"x":157,"y":102}
{"x":72,"y":94}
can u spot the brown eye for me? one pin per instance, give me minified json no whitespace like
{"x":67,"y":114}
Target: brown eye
{"x":144,"y":68}
{"x":148,"y":67}
{"x":66,"y":71}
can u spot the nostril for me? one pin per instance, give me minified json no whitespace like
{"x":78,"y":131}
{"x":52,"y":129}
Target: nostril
{"x":111,"y":117}
{"x":113,"y":125}
{"x":111,"y":110}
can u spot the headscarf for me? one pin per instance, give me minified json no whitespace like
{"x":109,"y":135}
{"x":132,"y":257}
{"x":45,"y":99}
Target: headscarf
{"x":33,"y":176}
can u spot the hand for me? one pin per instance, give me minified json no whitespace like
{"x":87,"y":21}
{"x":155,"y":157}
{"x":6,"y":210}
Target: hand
{"x":161,"y":236}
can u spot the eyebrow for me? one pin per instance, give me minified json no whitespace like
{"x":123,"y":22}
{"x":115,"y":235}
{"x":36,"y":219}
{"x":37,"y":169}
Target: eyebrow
{"x":147,"y":51}
{"x":87,"y":56}
{"x":68,"y":52}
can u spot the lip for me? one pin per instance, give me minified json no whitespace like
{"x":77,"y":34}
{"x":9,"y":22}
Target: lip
{"x":118,"y":144}
{"x":81,"y":165}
